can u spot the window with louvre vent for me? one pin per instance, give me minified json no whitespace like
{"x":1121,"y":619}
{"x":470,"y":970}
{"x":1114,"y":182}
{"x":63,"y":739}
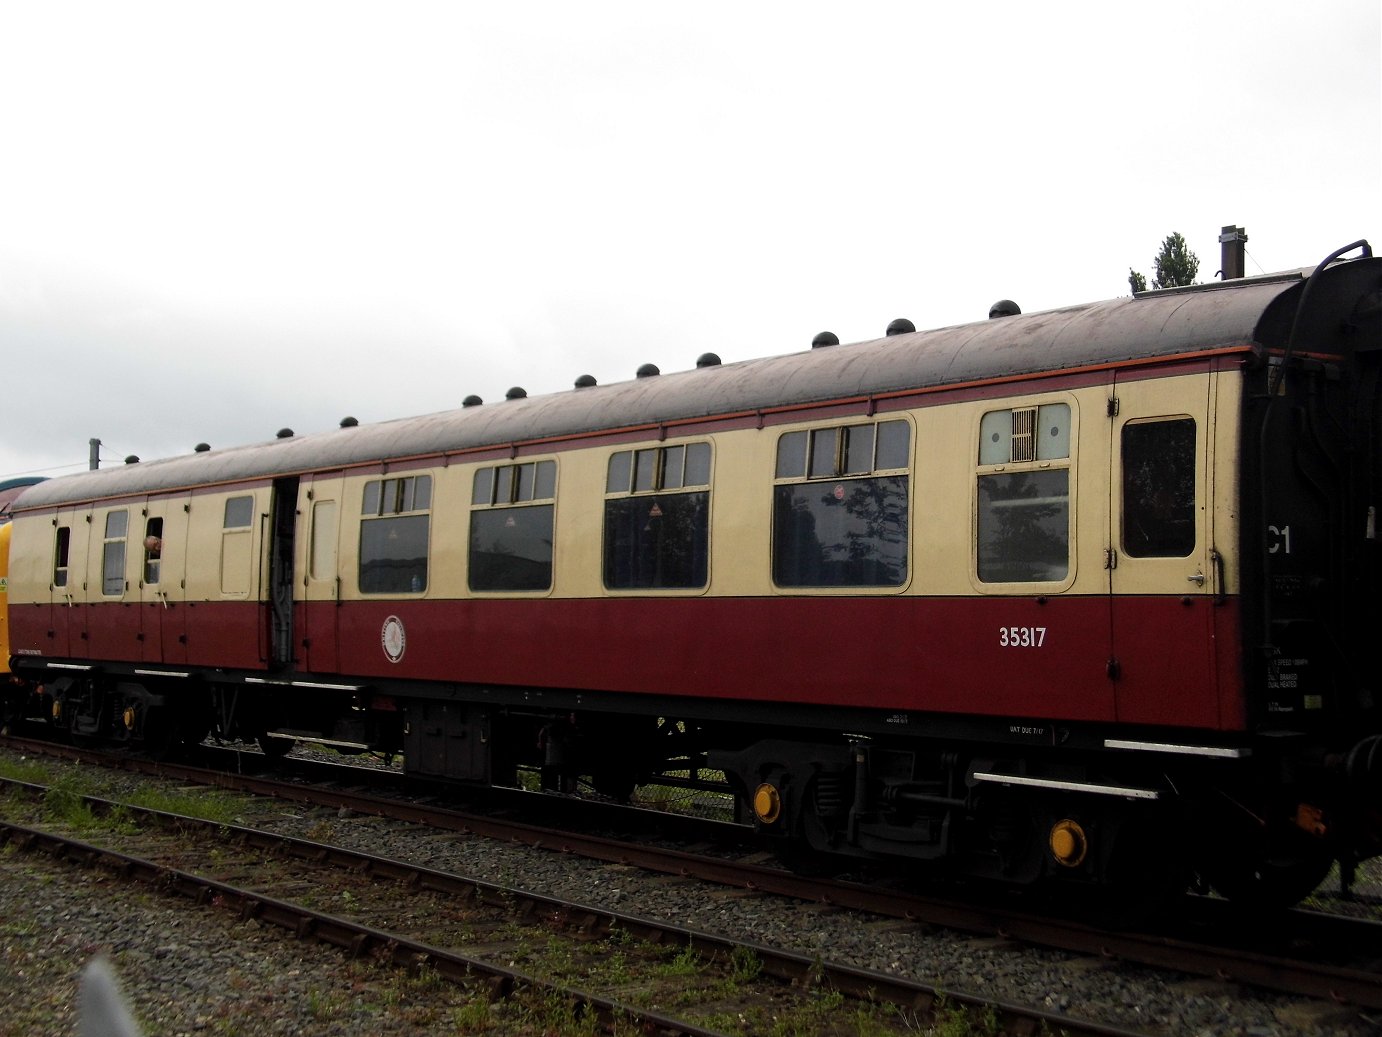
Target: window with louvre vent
{"x":1023,"y":495}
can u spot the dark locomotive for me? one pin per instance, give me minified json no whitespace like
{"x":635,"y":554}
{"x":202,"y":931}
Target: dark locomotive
{"x":1084,"y":596}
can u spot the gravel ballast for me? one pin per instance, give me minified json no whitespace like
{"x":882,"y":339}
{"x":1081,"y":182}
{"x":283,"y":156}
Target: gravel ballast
{"x":188,"y":970}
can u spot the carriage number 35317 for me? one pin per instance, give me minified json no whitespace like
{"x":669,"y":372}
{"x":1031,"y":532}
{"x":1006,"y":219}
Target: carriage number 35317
{"x":1021,"y":637}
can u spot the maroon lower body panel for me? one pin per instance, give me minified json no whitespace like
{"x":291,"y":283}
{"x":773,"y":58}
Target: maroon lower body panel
{"x":1174,"y":664}
{"x":229,"y":635}
{"x":1015,"y":657}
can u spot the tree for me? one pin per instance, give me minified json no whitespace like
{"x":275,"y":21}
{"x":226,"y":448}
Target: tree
{"x":1175,"y":265}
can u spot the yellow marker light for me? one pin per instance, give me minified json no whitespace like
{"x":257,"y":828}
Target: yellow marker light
{"x":767,"y":803}
{"x":128,"y":717}
{"x":1068,"y":843}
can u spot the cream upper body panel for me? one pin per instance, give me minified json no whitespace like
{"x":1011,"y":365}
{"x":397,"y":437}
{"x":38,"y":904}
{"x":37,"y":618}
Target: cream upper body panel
{"x":943,"y":475}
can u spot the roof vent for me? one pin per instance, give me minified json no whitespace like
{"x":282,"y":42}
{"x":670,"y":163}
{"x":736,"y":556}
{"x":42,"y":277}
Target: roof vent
{"x":901,"y":326}
{"x":648,"y":371}
{"x":472,"y":401}
{"x":348,"y":422}
{"x":708,"y":360}
{"x":1004,"y":308}
{"x":516,"y":393}
{"x":132,"y":459}
{"x":825,"y":338}
{"x":585,"y":381}
{"x":285,"y":433}
{"x":201,"y":448}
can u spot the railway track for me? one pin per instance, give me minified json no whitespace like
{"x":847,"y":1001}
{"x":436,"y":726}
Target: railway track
{"x":1310,"y":972}
{"x":465,"y":930}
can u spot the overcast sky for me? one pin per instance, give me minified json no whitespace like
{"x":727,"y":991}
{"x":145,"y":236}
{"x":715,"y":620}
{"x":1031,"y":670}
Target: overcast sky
{"x":217,"y":220}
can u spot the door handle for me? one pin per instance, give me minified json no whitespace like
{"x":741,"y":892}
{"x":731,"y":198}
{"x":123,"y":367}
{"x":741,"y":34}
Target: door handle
{"x":1197,"y":579}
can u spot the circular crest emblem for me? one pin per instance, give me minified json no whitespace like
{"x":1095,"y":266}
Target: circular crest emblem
{"x":393,"y":638}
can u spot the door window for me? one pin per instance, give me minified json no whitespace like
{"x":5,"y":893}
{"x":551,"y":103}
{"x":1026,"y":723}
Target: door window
{"x":1159,"y":488}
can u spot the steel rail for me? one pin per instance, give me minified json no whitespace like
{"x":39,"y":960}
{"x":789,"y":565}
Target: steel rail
{"x":591,"y":922}
{"x":1245,"y":966}
{"x":352,"y":937}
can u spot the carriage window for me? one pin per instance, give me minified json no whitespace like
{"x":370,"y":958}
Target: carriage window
{"x":153,"y":549}
{"x":511,"y":527}
{"x":237,"y":547}
{"x":840,"y":506}
{"x":1159,"y":488}
{"x":61,"y":546}
{"x":657,"y":518}
{"x":322,"y":560}
{"x":1024,"y":507}
{"x":395,"y":525}
{"x":239,"y":511}
{"x":113,"y":553}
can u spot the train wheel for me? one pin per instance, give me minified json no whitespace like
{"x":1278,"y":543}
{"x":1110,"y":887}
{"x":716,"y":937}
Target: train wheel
{"x":160,"y":733}
{"x":801,"y":858}
{"x":1276,"y":871}
{"x":13,"y":716}
{"x":616,"y":784}
{"x":274,"y":748}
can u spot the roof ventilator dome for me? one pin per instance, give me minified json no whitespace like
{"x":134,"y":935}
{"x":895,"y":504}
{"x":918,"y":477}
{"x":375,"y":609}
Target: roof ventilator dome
{"x":585,"y":381}
{"x":349,"y":422}
{"x":285,"y":433}
{"x":901,"y":326}
{"x":472,"y":401}
{"x":1004,"y":308}
{"x":648,"y":371}
{"x":516,"y":393}
{"x":825,"y":338}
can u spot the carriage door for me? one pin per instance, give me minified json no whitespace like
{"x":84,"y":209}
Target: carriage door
{"x":161,"y":545}
{"x":1162,"y":577}
{"x":283,"y":519}
{"x":319,"y":508}
{"x":71,"y":536}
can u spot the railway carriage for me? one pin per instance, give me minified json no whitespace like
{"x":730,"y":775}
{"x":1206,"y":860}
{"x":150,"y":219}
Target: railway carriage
{"x":1084,"y":595}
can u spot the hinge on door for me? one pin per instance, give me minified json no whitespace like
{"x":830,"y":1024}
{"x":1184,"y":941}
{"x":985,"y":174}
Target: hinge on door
{"x":1110,"y":558}
{"x":1113,"y":406}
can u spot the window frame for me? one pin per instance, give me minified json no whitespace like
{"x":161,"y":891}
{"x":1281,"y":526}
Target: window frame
{"x":1139,"y":425}
{"x":62,"y":554}
{"x":153,"y":560}
{"x":826,"y":452}
{"x":115,"y":546}
{"x":238,"y":569}
{"x":522,"y":491}
{"x":400,"y":495}
{"x":1037,"y":463}
{"x":658,"y":455}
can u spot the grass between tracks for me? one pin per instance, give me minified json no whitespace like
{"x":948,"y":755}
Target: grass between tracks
{"x":64,"y":799}
{"x":722,"y":993}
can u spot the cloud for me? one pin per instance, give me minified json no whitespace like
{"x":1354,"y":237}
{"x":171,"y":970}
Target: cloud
{"x":227,"y":220}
